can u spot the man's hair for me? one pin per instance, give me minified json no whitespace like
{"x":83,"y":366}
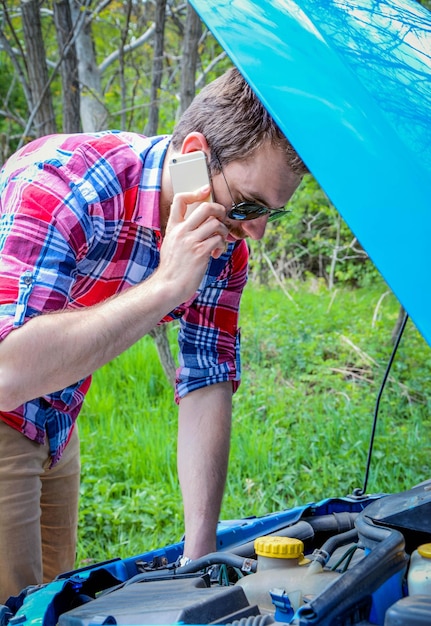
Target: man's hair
{"x":234,"y":123}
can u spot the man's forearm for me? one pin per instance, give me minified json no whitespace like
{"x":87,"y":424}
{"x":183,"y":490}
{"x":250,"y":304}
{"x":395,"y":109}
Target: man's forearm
{"x":203,"y":453}
{"x":55,"y":350}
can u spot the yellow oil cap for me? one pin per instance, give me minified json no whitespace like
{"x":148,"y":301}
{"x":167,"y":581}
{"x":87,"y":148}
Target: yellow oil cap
{"x":425,"y":550}
{"x":279,"y":547}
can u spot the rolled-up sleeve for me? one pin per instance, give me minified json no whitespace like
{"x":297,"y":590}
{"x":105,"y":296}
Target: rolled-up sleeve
{"x":37,"y":271}
{"x":37,"y":263}
{"x":209,"y":336}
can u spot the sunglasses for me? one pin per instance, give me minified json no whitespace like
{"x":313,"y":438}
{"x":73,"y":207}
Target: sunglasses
{"x":246,"y":211}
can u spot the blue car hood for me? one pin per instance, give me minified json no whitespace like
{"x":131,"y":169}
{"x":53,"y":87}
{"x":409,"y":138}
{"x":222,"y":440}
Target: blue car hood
{"x":349,"y":83}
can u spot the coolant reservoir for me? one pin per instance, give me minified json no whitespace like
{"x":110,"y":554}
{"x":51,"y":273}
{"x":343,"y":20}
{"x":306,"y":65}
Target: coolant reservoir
{"x":419,"y":574}
{"x":281,"y":566}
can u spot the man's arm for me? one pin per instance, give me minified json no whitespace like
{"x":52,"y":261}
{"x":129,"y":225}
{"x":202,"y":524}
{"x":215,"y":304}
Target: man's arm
{"x":203,"y":451}
{"x":52,"y":351}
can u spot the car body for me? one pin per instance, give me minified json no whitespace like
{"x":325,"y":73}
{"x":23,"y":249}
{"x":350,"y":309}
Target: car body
{"x":349,"y":83}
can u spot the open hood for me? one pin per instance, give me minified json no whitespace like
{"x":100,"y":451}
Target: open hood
{"x":349,"y":83}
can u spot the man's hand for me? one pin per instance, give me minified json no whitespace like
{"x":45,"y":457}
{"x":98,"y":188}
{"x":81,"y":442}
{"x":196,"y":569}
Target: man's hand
{"x":191,"y":238}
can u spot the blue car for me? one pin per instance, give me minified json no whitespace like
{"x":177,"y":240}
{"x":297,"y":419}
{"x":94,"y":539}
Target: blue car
{"x":349,"y":82}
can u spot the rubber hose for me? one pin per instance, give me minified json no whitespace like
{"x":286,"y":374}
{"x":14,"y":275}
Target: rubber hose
{"x":218,"y":558}
{"x":305,"y":530}
{"x":324,"y":553}
{"x":358,"y":583}
{"x":300,"y":530}
{"x":333,"y":523}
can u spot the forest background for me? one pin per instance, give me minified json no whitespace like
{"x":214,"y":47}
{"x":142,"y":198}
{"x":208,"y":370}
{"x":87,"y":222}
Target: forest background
{"x":318,"y":322}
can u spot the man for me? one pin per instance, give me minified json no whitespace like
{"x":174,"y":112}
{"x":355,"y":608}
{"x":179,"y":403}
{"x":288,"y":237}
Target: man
{"x":95,"y":252}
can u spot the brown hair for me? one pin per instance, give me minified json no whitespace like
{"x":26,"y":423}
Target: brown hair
{"x":234,"y":123}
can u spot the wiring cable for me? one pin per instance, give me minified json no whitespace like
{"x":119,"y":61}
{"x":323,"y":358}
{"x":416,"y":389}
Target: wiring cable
{"x":361,"y":492}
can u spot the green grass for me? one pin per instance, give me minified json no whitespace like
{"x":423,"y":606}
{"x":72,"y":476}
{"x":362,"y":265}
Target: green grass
{"x":302,"y":418}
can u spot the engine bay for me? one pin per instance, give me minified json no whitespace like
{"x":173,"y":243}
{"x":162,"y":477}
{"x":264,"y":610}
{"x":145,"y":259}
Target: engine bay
{"x":353,"y":568}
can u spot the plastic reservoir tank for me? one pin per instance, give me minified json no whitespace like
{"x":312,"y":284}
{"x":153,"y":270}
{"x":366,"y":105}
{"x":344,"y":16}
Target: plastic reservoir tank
{"x":419,"y":573}
{"x":281,"y":568}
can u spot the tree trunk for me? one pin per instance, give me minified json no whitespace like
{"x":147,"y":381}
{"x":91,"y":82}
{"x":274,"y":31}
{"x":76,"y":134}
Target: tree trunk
{"x":93,"y":113}
{"x":42,"y":108}
{"x":192,"y":34}
{"x":159,"y":333}
{"x":160,"y":336}
{"x":68,"y":68}
{"x":188,"y":72}
{"x":122,"y":78}
{"x":157,"y":70}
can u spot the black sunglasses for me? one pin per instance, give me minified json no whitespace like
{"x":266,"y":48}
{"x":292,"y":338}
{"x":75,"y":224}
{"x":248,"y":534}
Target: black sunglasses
{"x":246,"y":211}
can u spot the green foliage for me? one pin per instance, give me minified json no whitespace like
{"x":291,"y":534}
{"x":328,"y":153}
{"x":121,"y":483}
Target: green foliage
{"x":128,"y":428}
{"x":312,"y":240}
{"x":312,"y":367}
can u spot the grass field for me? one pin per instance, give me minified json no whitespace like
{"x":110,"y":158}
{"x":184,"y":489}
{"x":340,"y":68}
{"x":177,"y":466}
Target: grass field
{"x":312,"y":367}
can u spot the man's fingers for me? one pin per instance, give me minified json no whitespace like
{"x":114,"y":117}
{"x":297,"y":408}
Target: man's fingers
{"x":183,"y":201}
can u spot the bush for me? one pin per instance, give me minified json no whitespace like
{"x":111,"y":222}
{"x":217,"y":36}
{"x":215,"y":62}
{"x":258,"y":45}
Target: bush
{"x":312,"y":240}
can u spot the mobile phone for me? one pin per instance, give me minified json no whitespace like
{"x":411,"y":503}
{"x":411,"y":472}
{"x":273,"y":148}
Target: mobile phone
{"x":189,"y":172}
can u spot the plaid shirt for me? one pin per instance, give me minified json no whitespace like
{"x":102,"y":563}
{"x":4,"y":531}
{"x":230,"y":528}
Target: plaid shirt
{"x":80,"y":222}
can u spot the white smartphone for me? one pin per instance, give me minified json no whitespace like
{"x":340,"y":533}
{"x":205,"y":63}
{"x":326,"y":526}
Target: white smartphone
{"x":189,"y":172}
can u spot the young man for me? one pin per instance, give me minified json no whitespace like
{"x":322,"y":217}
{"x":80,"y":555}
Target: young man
{"x":95,"y":252}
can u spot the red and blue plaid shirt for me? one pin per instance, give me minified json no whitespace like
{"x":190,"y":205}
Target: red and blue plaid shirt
{"x":80,"y":222}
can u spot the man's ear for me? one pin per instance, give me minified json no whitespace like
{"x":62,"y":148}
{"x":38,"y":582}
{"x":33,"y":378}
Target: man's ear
{"x":193,"y":142}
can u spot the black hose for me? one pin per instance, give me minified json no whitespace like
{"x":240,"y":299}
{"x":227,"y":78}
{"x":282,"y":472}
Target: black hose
{"x":377,"y":406}
{"x":324,"y":553}
{"x":358,"y":583}
{"x":197,"y":565}
{"x":301,"y":530}
{"x":304,"y":530}
{"x":240,"y":556}
{"x":218,"y":558}
{"x":332,"y":523}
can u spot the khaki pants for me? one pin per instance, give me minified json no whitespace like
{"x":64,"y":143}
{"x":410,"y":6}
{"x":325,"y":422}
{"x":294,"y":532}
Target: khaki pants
{"x":38,"y":511}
